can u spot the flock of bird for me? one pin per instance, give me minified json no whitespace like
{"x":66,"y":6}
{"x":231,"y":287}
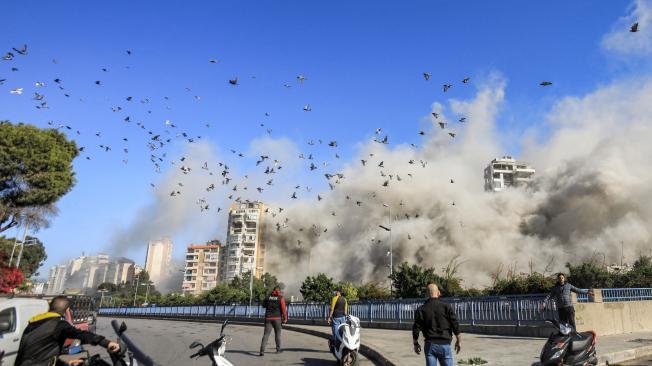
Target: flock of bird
{"x":159,"y":137}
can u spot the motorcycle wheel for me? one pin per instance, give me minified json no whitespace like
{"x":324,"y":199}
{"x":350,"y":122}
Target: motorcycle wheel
{"x":349,"y":359}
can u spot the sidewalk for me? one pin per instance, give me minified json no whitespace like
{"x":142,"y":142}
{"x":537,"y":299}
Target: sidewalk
{"x":396,"y":347}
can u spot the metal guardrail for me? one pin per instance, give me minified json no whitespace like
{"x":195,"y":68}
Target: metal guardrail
{"x":626,"y":294}
{"x":515,"y":310}
{"x":487,"y":310}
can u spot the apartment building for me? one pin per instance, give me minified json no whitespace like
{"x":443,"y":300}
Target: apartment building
{"x":157,"y":263}
{"x":120,"y":271}
{"x":244,"y":249}
{"x":57,"y":280}
{"x":202,"y":268}
{"x":506,"y":172}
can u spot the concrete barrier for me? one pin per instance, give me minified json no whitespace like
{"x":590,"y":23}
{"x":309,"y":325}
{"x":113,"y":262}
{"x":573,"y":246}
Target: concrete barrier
{"x":607,"y":318}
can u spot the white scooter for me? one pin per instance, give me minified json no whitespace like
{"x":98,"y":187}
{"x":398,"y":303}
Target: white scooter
{"x":347,"y":342}
{"x":214,"y":350}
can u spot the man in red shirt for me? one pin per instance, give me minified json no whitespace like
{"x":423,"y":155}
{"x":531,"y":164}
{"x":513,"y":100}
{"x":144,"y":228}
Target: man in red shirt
{"x":275,"y":312}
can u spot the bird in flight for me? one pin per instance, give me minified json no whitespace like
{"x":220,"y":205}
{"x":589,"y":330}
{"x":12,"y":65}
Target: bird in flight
{"x":545,"y":83}
{"x":466,"y":80}
{"x":427,"y":75}
{"x":446,"y":87}
{"x":633,"y":29}
{"x":23,"y":51}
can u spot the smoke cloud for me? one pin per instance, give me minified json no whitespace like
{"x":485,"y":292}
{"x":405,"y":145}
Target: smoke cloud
{"x":591,"y":191}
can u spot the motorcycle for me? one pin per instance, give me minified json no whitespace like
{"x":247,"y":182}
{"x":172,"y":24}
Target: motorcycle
{"x":567,"y":347}
{"x":347,"y":342}
{"x":214,"y":350}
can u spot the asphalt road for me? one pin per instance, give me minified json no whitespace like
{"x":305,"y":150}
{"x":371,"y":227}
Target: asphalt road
{"x":167,"y":343}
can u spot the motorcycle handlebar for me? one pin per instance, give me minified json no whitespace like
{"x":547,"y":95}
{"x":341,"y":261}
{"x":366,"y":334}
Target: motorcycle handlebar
{"x":140,"y":356}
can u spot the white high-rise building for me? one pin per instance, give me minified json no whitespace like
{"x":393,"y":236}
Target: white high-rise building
{"x":57,"y":280}
{"x":120,"y":271}
{"x":157,"y":264}
{"x":506,"y":172}
{"x":244,"y":249}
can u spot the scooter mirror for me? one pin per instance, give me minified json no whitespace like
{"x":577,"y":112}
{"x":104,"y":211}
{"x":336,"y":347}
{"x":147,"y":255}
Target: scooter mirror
{"x":195,"y":344}
{"x":123,"y":328}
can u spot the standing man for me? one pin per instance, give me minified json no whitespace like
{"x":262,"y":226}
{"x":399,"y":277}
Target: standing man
{"x":338,"y":312}
{"x":437,"y":321}
{"x":560,"y":293}
{"x":275,"y":310}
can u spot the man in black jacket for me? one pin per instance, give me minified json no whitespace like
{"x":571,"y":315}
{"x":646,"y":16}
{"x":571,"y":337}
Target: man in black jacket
{"x":275,"y":313}
{"x":43,"y":339}
{"x":437,"y":321}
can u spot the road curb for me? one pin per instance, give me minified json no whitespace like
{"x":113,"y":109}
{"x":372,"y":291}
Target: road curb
{"x":371,"y":353}
{"x":623,"y":356}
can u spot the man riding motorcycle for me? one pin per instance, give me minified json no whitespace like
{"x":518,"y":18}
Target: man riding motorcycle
{"x":43,"y":339}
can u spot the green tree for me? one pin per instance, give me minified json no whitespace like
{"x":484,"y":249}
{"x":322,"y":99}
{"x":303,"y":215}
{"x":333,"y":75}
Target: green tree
{"x":317,"y":288}
{"x":261,"y":286}
{"x":224,"y":294}
{"x":349,"y":291}
{"x":373,"y":291}
{"x":590,"y":275}
{"x":640,"y":274}
{"x":35,"y":171}
{"x":410,"y":281}
{"x":32,"y":258}
{"x":110,"y":287}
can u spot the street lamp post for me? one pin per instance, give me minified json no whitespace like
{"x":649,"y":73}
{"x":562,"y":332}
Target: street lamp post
{"x":102,"y":292}
{"x":146,"y":291}
{"x":391,"y":249}
{"x":22,"y":245}
{"x":136,"y":291}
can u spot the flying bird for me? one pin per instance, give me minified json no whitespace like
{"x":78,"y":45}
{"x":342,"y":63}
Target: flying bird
{"x":233,"y":81}
{"x":633,"y":29}
{"x":23,"y":51}
{"x":466,"y":80}
{"x":427,"y":75}
{"x":452,"y":134}
{"x":545,"y":83}
{"x":446,"y":87}
{"x":307,"y":108}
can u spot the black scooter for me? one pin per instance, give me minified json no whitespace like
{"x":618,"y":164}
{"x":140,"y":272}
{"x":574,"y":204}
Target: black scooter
{"x":567,"y":347}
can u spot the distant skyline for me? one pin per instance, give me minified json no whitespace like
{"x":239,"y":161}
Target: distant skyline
{"x":363,"y":64}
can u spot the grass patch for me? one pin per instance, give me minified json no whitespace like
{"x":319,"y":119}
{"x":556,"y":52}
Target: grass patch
{"x":473,"y":361}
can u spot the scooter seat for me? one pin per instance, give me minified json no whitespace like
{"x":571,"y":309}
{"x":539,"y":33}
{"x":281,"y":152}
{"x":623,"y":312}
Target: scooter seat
{"x":581,"y":342}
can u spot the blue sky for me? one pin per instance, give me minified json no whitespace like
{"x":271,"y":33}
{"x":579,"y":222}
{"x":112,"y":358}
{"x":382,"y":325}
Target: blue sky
{"x":362,"y":60}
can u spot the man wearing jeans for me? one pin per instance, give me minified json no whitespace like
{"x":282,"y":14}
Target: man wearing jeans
{"x":437,"y":321}
{"x":338,"y":312}
{"x":561,"y":294}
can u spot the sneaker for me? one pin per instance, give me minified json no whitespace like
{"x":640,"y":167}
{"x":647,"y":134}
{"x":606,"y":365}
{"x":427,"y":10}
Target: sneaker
{"x":261,"y":354}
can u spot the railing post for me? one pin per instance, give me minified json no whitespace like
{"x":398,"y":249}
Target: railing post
{"x":473,"y":307}
{"x":305,"y":311}
{"x":597,"y":295}
{"x":398,"y":311}
{"x":518,"y":312}
{"x":371,"y":316}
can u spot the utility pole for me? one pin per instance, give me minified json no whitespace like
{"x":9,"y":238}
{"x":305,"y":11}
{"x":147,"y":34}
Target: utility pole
{"x":391,"y":249}
{"x":621,"y":254}
{"x":137,"y":284}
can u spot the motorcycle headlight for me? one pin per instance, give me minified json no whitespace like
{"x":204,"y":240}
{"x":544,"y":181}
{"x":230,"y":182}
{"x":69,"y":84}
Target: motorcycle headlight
{"x":557,"y":354}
